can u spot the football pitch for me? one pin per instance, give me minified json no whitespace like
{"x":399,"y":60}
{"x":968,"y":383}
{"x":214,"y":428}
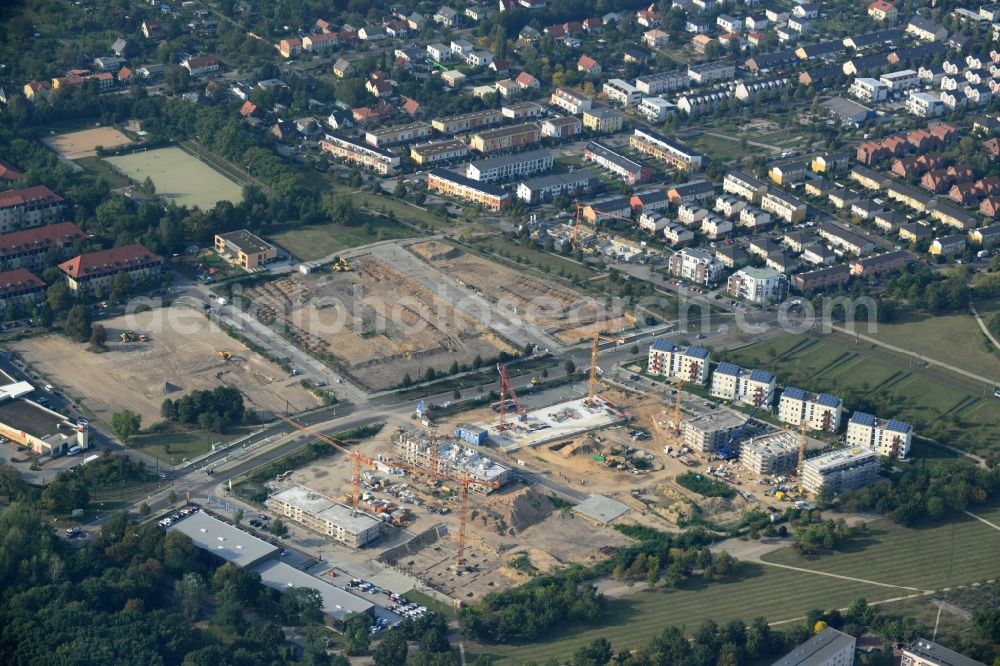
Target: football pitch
{"x":179,"y":177}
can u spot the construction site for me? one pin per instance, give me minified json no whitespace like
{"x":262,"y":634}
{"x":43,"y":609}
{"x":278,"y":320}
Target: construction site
{"x":496,"y":494}
{"x":567,"y":315}
{"x":148,"y":360}
{"x":376,"y":318}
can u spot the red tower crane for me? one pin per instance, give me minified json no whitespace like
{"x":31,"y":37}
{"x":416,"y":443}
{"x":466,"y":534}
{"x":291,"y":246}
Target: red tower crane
{"x":507,"y":393}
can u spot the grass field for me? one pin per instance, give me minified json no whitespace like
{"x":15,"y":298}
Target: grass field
{"x":98,"y":168}
{"x":309,"y":243}
{"x":955,"y":339}
{"x":173,"y":447}
{"x":958,"y":552}
{"x":179,"y":177}
{"x":631,"y":621}
{"x":940,"y":404}
{"x":943,"y":555}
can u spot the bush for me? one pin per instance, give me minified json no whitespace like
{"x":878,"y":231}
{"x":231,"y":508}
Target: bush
{"x":705,"y":485}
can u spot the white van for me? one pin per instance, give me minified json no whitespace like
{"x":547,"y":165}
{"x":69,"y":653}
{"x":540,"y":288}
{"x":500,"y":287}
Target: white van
{"x":74,"y":450}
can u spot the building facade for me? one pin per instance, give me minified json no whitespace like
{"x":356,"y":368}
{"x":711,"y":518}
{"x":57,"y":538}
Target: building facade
{"x":886,"y":437}
{"x":94,"y":271}
{"x":840,"y":470}
{"x":758,"y":285}
{"x":696,"y":265}
{"x":245,"y":249}
{"x":326,"y":516}
{"x":29,"y":207}
{"x":452,"y":184}
{"x":818,"y":411}
{"x":688,"y":364}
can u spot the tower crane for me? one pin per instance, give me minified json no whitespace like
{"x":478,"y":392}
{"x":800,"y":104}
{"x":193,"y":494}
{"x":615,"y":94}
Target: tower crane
{"x":802,"y":448}
{"x":358,"y":458}
{"x":594,"y":353}
{"x":507,"y":394}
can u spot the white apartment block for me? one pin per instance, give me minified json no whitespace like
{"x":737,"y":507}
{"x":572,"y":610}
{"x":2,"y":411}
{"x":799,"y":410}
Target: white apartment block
{"x":570,"y":101}
{"x":621,"y":92}
{"x":827,"y":648}
{"x":924,"y":105}
{"x":509,"y":166}
{"x":819,"y":411}
{"x":758,"y":285}
{"x":840,"y":470}
{"x":904,"y":79}
{"x":696,"y":265}
{"x":654,"y":84}
{"x":689,"y":364}
{"x":655,"y":109}
{"x":868,"y":91}
{"x":325,"y":516}
{"x":744,"y":185}
{"x":749,"y":387}
{"x":890,"y":437}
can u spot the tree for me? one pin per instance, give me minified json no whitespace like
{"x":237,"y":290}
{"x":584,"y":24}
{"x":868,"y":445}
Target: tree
{"x":190,"y":592}
{"x":278,"y":528}
{"x":391,"y":650}
{"x":238,"y":517}
{"x":98,"y":338}
{"x":172,"y":498}
{"x":569,"y":366}
{"x":144,"y":510}
{"x":407,"y":380}
{"x":598,"y":653}
{"x":58,"y":297}
{"x":121,"y":285}
{"x":77,"y":326}
{"x":125,"y":423}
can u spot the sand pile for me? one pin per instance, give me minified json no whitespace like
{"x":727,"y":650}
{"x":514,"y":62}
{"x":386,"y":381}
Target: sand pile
{"x":514,"y":512}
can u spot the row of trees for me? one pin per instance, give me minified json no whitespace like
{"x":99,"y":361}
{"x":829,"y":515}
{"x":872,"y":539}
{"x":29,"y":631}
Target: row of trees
{"x":216,"y":410}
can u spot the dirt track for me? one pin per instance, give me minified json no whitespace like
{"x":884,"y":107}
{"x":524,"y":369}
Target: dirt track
{"x":74,"y":145}
{"x":140,"y":375}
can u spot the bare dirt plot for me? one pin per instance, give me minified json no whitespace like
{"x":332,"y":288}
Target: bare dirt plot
{"x":377,"y":323}
{"x":567,"y":314}
{"x":74,"y":145}
{"x":176,"y":360}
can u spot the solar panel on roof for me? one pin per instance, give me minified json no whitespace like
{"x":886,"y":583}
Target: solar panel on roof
{"x":663,"y":345}
{"x":863,"y":418}
{"x":795,"y":393}
{"x":827,"y":400}
{"x":697,"y":352}
{"x":897,"y":426}
{"x":728,"y":368}
{"x":761,"y":376}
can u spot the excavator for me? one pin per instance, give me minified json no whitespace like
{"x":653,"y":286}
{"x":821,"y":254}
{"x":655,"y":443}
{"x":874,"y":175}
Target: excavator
{"x":225,"y":355}
{"x":341,"y":265}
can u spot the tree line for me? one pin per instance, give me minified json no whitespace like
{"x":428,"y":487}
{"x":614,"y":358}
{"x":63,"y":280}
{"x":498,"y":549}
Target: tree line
{"x":216,"y":410}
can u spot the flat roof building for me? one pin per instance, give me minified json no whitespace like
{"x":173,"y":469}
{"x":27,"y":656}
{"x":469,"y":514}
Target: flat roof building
{"x":223,"y":540}
{"x":509,"y":166}
{"x":326,"y":516}
{"x":433,"y":152}
{"x":827,"y":648}
{"x":338,"y":603}
{"x":453,"y":458}
{"x":546,"y":188}
{"x":452,"y":184}
{"x":923,"y":652}
{"x":351,"y":150}
{"x":710,"y":431}
{"x":770,"y":454}
{"x":840,"y":470}
{"x":245,"y":249}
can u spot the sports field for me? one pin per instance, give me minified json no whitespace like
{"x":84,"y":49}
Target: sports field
{"x":74,"y":145}
{"x":179,"y":177}
{"x":954,"y":553}
{"x":940,"y":404}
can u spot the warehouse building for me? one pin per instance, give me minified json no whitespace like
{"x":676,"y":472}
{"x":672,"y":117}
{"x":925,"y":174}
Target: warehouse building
{"x":326,"y":516}
{"x":453,"y":459}
{"x":32,"y":426}
{"x":750,"y":387}
{"x":827,"y":648}
{"x":231,"y":544}
{"x":820,"y":411}
{"x":710,"y":431}
{"x":885,"y":437}
{"x":689,"y":364}
{"x":770,"y":454}
{"x":509,"y":166}
{"x":840,"y":470}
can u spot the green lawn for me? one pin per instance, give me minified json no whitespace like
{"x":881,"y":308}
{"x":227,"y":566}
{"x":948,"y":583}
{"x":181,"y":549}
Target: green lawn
{"x":633,"y":620}
{"x":940,"y":404}
{"x":957,"y":552}
{"x":954,"y":339}
{"x":174,"y":447}
{"x":308,"y":243}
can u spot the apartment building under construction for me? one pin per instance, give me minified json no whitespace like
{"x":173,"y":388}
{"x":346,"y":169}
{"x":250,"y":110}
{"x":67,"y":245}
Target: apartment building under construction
{"x":454,"y":459}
